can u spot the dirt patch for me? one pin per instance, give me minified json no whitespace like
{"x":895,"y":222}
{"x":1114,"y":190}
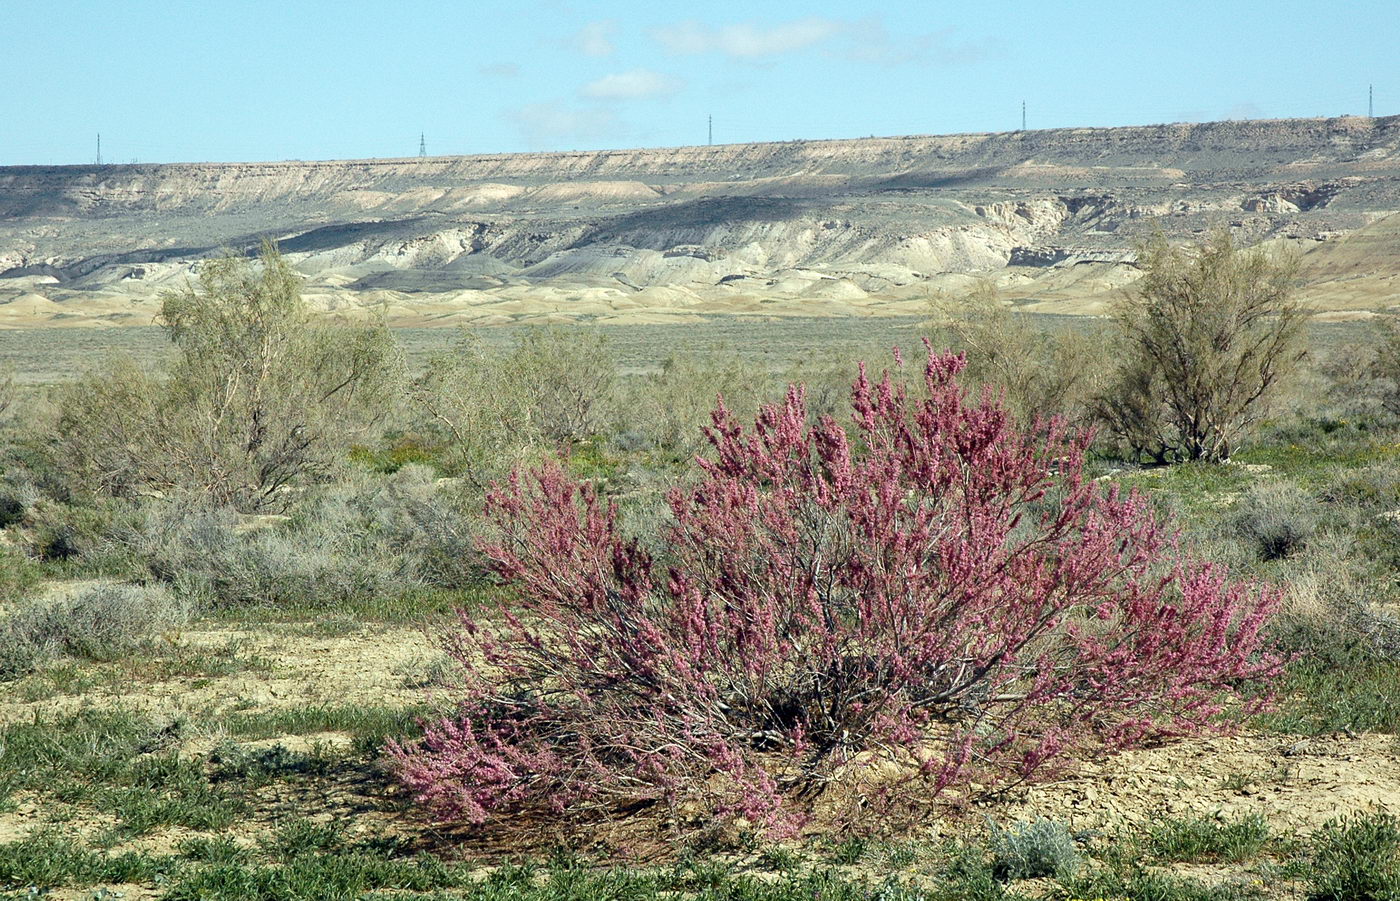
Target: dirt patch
{"x":375,"y":666}
{"x":1295,"y":784}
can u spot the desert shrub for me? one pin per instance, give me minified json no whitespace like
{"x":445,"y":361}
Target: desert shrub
{"x":367,"y":536}
{"x":1333,"y":610}
{"x":1277,"y":518}
{"x":666,"y":410}
{"x":563,"y":382}
{"x":494,"y":408}
{"x":1357,"y":859}
{"x":1203,"y":340}
{"x":1042,"y":371}
{"x":212,"y":555}
{"x":18,"y":495}
{"x":18,"y":574}
{"x":101,"y":621}
{"x":1033,"y":849}
{"x":934,"y":599}
{"x":261,"y":398}
{"x":7,"y":392}
{"x":1384,"y":368}
{"x":54,"y":531}
{"x":1371,"y":488}
{"x":411,"y":523}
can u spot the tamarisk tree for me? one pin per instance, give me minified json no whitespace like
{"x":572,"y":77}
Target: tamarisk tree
{"x":929,"y":598}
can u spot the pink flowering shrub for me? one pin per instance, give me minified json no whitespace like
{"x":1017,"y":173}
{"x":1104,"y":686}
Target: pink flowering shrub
{"x":931,"y":599}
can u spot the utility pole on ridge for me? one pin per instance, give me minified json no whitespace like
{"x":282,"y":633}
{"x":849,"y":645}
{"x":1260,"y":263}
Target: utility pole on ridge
{"x":710,"y":140}
{"x":422,"y":144}
{"x":99,"y":148}
{"x":1023,"y":115}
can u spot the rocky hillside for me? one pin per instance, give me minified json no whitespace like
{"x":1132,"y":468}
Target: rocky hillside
{"x":809,"y":228}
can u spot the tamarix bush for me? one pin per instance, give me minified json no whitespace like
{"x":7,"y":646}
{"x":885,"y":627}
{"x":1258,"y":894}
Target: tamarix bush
{"x":860,"y":618}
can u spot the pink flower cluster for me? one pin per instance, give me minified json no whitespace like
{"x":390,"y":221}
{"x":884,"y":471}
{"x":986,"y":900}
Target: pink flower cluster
{"x":932,"y":597}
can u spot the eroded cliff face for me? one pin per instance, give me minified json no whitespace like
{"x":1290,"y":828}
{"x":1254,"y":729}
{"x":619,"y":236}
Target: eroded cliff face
{"x":811,"y":228}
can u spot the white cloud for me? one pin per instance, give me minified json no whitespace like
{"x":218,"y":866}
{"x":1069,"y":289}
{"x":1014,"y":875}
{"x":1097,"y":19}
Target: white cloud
{"x":499,"y":70}
{"x":638,"y":84}
{"x":869,"y":41}
{"x":864,"y":41}
{"x":548,"y":124}
{"x":595,"y":38}
{"x":747,"y":40}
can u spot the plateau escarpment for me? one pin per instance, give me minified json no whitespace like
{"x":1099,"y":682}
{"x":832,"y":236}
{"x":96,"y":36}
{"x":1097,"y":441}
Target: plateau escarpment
{"x":874,"y":225}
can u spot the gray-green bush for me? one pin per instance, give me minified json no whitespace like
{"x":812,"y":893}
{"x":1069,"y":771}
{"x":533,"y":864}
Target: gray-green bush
{"x":261,"y":400}
{"x":666,"y":410}
{"x":1032,"y":849}
{"x":18,"y":574}
{"x":1277,"y":518}
{"x":1042,"y":370}
{"x":100,"y":621}
{"x":1202,"y":341}
{"x":495,"y":408}
{"x":364,"y":537}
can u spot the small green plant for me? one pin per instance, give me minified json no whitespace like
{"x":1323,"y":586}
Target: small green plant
{"x":1357,"y":859}
{"x":1133,"y":883}
{"x":1317,"y":702}
{"x":44,"y":860}
{"x":1237,"y":782}
{"x":779,"y":859}
{"x":1030,"y":850}
{"x":849,"y":850}
{"x":303,"y":836}
{"x":212,"y":849}
{"x":259,"y":766}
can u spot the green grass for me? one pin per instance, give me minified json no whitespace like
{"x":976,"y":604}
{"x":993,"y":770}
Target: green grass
{"x":398,"y":451}
{"x":414,"y":605}
{"x":370,"y":726}
{"x":1319,"y":454}
{"x":1144,"y":885}
{"x":1207,"y":840}
{"x":1192,"y":490}
{"x":47,"y":860}
{"x":113,"y":763}
{"x":1357,"y":859}
{"x":1318,"y":698}
{"x":126,"y":768}
{"x":158,"y":663}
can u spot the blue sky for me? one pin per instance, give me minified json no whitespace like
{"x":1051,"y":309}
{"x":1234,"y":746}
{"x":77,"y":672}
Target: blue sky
{"x":185,"y":81}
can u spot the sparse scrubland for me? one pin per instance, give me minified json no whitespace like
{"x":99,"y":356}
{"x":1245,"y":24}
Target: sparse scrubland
{"x":1060,"y":612}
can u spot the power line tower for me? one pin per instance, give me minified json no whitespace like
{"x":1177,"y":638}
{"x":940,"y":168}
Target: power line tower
{"x":710,"y":140}
{"x":99,"y":148}
{"x":1023,"y":115}
{"x":422,"y":144}
{"x":1370,"y":101}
